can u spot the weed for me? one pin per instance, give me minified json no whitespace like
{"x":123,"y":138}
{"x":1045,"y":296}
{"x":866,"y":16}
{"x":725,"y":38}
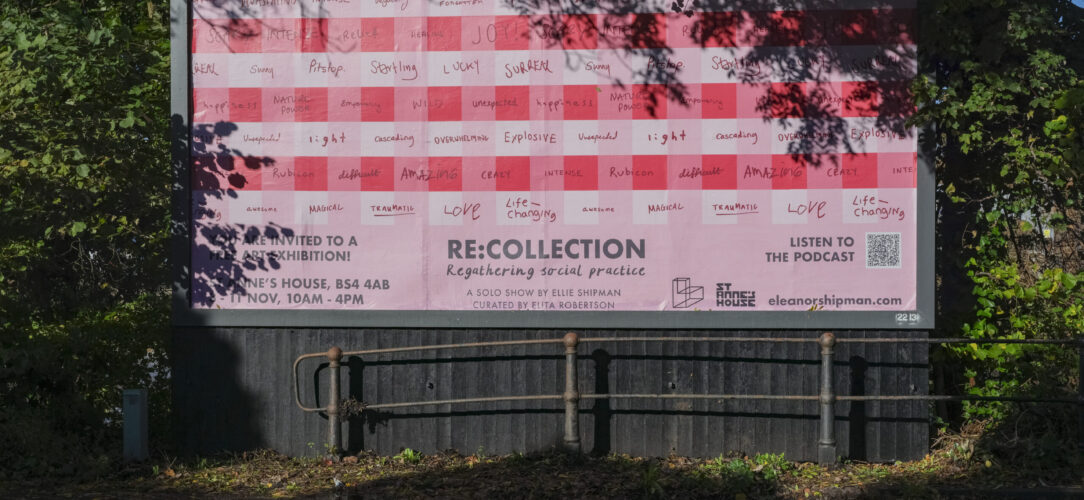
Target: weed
{"x":772,"y":466}
{"x":650,"y":483}
{"x":408,"y":456}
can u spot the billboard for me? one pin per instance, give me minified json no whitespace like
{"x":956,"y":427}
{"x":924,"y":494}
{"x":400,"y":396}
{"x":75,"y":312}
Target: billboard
{"x":550,"y":164}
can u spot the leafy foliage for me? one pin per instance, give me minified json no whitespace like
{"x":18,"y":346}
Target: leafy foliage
{"x":1002,"y":87}
{"x":84,"y":194}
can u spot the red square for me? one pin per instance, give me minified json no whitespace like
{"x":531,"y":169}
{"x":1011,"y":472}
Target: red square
{"x":513,"y":173}
{"x":581,"y":102}
{"x":580,"y":32}
{"x":378,"y":104}
{"x":719,"y":100}
{"x":788,"y":172}
{"x":581,"y":173}
{"x":314,"y":35}
{"x":646,"y":31}
{"x":859,"y":171}
{"x":861,"y":99}
{"x":445,"y":104}
{"x":310,"y":104}
{"x":514,"y":102}
{"x":715,"y":29}
{"x":649,"y":172}
{"x":896,"y":26}
{"x":444,"y":33}
{"x":649,"y":102}
{"x":445,"y":174}
{"x":246,"y":105}
{"x":788,"y":100}
{"x":377,"y":34}
{"x":378,"y":174}
{"x":246,"y":174}
{"x":245,"y":35}
{"x":786,"y":28}
{"x":511,"y":33}
{"x":859,"y":27}
{"x":310,"y":173}
{"x":719,"y":171}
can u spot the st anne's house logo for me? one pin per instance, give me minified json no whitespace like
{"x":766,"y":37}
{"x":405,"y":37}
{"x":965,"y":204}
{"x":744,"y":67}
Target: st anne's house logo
{"x":684,"y":295}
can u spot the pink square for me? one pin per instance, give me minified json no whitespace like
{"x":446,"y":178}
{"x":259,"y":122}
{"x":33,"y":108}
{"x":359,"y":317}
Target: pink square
{"x":279,"y":175}
{"x":649,"y":172}
{"x":860,"y":170}
{"x":246,"y":105}
{"x":719,"y":172}
{"x":410,"y":173}
{"x":478,"y":33}
{"x":516,"y":102}
{"x":244,"y":35}
{"x":616,"y":102}
{"x":446,"y":174}
{"x":614,"y":173}
{"x":378,"y":173}
{"x":754,"y":100}
{"x":314,"y":35}
{"x":681,"y":30}
{"x":581,"y":102}
{"x":378,"y":34}
{"x":344,"y":173}
{"x":344,"y":34}
{"x":688,"y":104}
{"x":897,"y":170}
{"x":479,"y":103}
{"x":513,"y":173}
{"x":310,"y":104}
{"x":406,"y":111}
{"x":377,"y":104}
{"x":683,"y":172}
{"x":409,"y":34}
{"x":825,"y":171}
{"x":310,"y":173}
{"x":210,"y":36}
{"x":510,"y":33}
{"x":821,"y":27}
{"x":539,"y":166}
{"x":210,"y":105}
{"x":789,"y":172}
{"x":344,"y":104}
{"x":280,"y":35}
{"x":547,"y":102}
{"x":581,"y":173}
{"x":754,"y":172}
{"x":480,"y":174}
{"x":445,"y":104}
{"x":444,"y":33}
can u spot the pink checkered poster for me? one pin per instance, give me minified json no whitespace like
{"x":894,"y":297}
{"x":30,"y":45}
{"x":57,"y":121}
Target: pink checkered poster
{"x":560,"y":156}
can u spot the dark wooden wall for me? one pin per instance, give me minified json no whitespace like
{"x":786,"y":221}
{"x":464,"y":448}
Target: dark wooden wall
{"x":232,"y":392}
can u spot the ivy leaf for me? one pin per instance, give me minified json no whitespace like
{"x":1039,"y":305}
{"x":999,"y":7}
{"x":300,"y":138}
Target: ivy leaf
{"x":78,"y":227}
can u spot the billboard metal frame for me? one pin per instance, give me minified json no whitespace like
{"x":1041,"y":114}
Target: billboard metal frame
{"x":184,"y":315}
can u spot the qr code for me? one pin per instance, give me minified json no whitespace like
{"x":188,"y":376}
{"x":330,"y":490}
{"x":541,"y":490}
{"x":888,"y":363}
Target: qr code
{"x":883,"y":250}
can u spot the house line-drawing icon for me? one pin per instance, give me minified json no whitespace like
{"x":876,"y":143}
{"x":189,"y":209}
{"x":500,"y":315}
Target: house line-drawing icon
{"x":684,"y":295}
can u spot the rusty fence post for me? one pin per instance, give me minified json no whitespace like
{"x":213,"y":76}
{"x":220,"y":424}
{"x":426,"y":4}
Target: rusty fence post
{"x":334,"y":424}
{"x":572,"y":394}
{"x":826,"y":446}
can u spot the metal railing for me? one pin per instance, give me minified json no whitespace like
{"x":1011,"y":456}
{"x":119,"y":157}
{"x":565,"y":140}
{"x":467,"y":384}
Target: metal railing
{"x":826,"y":442}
